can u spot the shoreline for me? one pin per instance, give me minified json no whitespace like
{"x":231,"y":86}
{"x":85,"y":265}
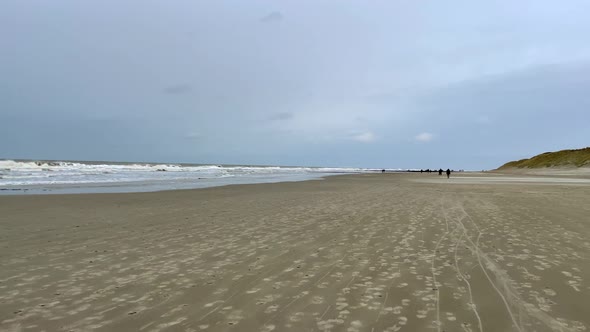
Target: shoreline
{"x":74,"y":177}
{"x":501,"y":176}
{"x":142,"y":187}
{"x":163,"y":185}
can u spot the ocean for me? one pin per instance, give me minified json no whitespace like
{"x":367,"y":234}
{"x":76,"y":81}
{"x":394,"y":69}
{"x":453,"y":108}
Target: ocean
{"x":60,"y":177}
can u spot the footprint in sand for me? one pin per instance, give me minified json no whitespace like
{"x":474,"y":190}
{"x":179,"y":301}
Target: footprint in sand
{"x":271,"y":309}
{"x":422,"y":314}
{"x":208,"y":305}
{"x":296,"y":317}
{"x":317,"y":300}
{"x":268,"y":328}
{"x":355,"y":326}
{"x":343,"y":314}
{"x":574,"y":284}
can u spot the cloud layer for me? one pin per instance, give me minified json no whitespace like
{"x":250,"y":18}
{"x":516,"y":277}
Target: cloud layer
{"x":424,"y":137}
{"x":272,"y":17}
{"x":219,"y":82}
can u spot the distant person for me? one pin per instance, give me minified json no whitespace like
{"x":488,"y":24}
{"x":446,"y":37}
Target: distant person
{"x":448,"y":173}
{"x":421,"y":171}
{"x":440,"y":171}
{"x":382,"y":171}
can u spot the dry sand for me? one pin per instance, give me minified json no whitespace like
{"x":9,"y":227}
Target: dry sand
{"x":380,"y":252}
{"x":577,"y":172}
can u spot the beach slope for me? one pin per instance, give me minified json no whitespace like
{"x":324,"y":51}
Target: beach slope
{"x":376,"y":252}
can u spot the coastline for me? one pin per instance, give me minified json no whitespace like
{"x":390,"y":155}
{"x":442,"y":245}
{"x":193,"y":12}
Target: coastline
{"x":55,"y":177}
{"x":145,"y":187}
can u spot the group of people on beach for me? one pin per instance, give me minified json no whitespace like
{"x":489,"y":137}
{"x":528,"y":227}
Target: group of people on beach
{"x":440,"y":172}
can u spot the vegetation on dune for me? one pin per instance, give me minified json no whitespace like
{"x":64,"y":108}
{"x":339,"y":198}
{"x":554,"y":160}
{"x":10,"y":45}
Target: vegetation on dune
{"x":563,"y":158}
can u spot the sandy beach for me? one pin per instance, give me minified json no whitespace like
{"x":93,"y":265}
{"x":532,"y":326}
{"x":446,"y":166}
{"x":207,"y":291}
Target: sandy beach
{"x":372,"y":252}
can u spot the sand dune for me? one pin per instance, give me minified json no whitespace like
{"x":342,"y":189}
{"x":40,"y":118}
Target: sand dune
{"x":351,"y":253}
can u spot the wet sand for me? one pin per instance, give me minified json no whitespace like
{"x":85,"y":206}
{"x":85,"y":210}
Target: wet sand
{"x":378,"y":252}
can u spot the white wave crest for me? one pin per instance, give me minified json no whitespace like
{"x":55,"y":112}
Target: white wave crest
{"x":24,"y":173}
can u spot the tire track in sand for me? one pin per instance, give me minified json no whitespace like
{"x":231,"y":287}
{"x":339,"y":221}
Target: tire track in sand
{"x":510,"y":295}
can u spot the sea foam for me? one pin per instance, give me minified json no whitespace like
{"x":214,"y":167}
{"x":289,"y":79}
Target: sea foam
{"x":149,"y":176}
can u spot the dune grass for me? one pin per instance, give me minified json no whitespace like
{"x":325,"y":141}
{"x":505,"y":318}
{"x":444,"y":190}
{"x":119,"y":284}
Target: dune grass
{"x":563,"y":158}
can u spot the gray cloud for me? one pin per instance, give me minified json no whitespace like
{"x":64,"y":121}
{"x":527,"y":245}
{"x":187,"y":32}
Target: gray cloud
{"x":281,"y":116}
{"x":364,"y":137}
{"x":494,"y":81}
{"x":424,"y":137}
{"x":534,"y":110}
{"x":272,"y":17}
{"x":193,"y":136}
{"x":178,"y":89}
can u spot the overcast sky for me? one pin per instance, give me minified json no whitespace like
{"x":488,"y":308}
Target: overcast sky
{"x":460,"y":84}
